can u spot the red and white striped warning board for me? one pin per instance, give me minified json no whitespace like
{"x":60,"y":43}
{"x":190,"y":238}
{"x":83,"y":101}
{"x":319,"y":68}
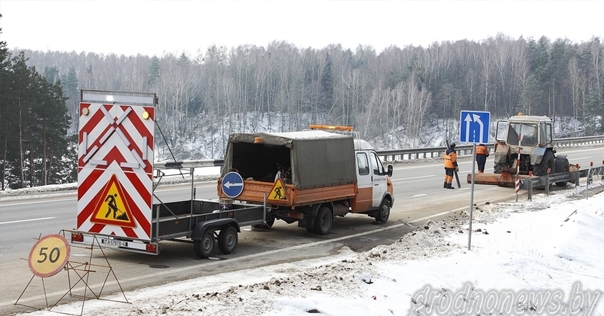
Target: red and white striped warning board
{"x":115,"y":169}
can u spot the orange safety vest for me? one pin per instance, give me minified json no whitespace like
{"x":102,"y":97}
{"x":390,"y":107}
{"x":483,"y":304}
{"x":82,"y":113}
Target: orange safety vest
{"x":482,"y":150}
{"x":450,"y":159}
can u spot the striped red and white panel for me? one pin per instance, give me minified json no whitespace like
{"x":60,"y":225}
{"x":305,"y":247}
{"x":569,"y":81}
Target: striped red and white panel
{"x":115,"y":169}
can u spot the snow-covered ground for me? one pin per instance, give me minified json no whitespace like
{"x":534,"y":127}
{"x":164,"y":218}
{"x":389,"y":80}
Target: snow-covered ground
{"x":540,"y":257}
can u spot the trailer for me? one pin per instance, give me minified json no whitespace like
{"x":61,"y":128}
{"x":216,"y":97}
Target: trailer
{"x":117,"y":182}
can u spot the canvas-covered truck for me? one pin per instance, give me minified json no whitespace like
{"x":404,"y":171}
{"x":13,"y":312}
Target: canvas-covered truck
{"x":118,"y":205}
{"x":308,"y":177}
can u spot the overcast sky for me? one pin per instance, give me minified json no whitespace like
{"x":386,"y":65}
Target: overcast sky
{"x":157,"y":27}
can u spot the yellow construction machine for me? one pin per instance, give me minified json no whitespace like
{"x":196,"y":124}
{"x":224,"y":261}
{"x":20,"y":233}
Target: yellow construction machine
{"x":524,"y":149}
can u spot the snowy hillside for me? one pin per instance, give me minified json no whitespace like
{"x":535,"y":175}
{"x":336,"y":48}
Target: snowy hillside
{"x":210,"y":141}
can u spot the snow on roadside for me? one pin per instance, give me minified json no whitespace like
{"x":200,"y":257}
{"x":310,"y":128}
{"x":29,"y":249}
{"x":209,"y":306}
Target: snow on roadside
{"x":552,"y":245}
{"x":172,"y":176}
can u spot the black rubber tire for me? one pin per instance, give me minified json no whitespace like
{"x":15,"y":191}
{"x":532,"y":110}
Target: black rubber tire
{"x":382,"y":215}
{"x":546,"y":162}
{"x":566,"y":169}
{"x":323,"y":221}
{"x":204,"y":248}
{"x":227,"y":240}
{"x":270,"y":220}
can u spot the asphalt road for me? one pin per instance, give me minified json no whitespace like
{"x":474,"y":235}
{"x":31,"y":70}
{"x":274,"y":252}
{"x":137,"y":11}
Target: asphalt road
{"x":418,"y":196}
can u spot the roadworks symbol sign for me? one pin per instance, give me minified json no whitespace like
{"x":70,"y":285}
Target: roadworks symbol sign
{"x":112,"y":206}
{"x":278,"y":191}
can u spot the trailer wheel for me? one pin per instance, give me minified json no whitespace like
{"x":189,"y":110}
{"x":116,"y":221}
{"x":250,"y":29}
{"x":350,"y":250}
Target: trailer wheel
{"x":204,"y":248}
{"x":383,"y":213}
{"x":227,"y":240}
{"x":323,"y":221}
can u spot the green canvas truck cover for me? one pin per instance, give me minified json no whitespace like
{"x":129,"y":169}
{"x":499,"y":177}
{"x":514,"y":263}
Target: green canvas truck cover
{"x":310,"y":159}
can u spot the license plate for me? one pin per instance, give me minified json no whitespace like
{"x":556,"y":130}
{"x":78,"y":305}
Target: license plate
{"x":114,"y":243}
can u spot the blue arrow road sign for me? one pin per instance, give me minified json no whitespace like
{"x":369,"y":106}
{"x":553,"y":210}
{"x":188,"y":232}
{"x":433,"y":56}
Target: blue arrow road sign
{"x":474,"y":127}
{"x":232,"y":184}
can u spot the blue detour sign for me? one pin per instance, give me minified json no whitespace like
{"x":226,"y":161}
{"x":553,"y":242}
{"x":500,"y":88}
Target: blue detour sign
{"x":474,"y":127}
{"x":232,"y":184}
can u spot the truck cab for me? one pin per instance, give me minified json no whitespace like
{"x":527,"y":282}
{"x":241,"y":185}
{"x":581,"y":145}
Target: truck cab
{"x":529,"y":131}
{"x":374,"y":182}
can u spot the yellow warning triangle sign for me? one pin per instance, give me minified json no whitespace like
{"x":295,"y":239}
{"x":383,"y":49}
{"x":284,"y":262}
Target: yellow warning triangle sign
{"x":112,"y":206}
{"x":278,"y":191}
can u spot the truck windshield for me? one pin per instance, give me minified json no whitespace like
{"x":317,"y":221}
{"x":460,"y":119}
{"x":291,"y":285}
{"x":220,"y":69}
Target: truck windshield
{"x":528,"y":132}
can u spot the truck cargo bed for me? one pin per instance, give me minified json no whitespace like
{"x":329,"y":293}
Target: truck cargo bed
{"x":255,"y":191}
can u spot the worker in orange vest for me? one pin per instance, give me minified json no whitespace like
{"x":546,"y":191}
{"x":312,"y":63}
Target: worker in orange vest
{"x":482,"y":152}
{"x":450,"y":159}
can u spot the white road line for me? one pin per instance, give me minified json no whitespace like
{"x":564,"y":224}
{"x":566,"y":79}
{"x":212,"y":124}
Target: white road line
{"x":27,"y":220}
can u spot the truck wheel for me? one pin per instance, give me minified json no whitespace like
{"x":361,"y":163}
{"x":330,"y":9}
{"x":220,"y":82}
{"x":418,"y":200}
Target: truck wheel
{"x":227,"y":240}
{"x":323,"y":221}
{"x":383,"y":213}
{"x":546,"y":162}
{"x":270,"y":220}
{"x":204,"y":247}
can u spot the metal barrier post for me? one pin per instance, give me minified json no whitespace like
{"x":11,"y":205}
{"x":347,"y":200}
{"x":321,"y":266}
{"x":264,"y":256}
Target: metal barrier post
{"x":518,"y":166}
{"x":588,"y":180}
{"x":517,"y":183}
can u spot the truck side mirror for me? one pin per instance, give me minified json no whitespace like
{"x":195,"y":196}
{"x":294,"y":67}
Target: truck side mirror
{"x":390,"y":169}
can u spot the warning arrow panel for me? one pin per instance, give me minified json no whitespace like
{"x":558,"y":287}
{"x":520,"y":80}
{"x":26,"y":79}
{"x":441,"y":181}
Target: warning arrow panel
{"x":112,"y":206}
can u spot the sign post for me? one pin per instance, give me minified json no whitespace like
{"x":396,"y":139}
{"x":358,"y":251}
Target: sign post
{"x":473,"y":128}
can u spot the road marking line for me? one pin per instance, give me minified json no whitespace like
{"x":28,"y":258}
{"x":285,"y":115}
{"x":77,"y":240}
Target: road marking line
{"x":27,"y":220}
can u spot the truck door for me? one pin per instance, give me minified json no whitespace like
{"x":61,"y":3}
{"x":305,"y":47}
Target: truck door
{"x":364,"y":198}
{"x":378,"y":179}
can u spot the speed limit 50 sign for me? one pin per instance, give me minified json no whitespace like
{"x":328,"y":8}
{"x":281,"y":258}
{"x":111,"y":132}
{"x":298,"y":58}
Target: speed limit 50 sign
{"x":49,"y":255}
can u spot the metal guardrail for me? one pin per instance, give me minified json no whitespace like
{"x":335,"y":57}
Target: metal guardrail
{"x":435,"y":152}
{"x":573,"y":177}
